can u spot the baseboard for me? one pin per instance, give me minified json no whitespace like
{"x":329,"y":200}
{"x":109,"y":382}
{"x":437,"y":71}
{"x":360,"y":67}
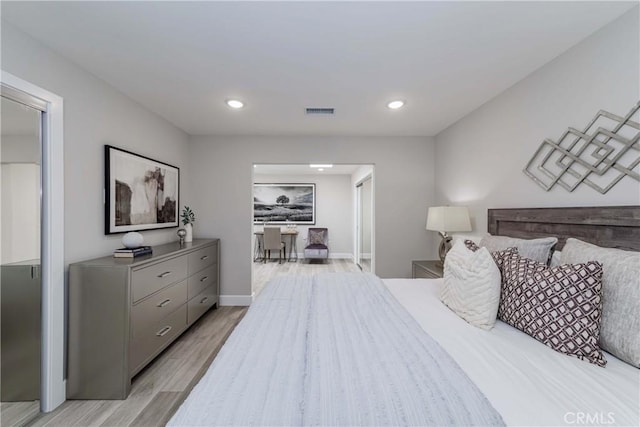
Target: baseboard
{"x":235,"y":300}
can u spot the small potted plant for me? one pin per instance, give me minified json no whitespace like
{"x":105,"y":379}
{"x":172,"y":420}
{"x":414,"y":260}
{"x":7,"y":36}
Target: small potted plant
{"x":188,"y":218}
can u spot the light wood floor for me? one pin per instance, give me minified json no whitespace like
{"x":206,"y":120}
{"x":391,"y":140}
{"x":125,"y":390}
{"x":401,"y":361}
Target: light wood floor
{"x":263,"y":273}
{"x":158,"y":391}
{"x":18,"y":413}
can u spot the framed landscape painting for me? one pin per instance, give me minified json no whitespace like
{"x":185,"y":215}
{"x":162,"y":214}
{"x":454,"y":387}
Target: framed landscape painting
{"x":284,"y":203}
{"x":140,"y":193}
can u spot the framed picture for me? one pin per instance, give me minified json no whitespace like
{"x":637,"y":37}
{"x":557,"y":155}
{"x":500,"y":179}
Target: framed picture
{"x":140,"y":193}
{"x":284,"y":203}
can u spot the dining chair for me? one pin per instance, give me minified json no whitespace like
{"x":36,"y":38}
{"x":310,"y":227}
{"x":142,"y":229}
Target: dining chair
{"x":273,"y":241}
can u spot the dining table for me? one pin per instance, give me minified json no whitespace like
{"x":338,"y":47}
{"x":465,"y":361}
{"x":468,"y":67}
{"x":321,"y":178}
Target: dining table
{"x":289,"y":233}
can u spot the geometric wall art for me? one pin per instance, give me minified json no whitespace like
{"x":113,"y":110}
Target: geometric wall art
{"x":606,"y":151}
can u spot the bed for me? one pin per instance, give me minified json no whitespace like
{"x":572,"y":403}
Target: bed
{"x":350,"y":349}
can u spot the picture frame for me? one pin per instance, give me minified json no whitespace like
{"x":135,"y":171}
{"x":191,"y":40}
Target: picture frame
{"x":140,"y":193}
{"x":284,"y":203}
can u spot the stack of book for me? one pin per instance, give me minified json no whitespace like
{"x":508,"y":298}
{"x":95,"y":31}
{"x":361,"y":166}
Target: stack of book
{"x":132,"y":252}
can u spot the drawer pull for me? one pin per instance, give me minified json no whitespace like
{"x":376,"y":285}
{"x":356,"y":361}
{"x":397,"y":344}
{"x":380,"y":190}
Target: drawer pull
{"x":164,"y":331}
{"x":204,"y":278}
{"x":203,"y":300}
{"x":202,"y":258}
{"x":164,"y":303}
{"x":165,"y":274}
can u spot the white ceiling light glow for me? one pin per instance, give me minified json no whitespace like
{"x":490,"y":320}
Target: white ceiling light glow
{"x":320,"y":166}
{"x":394,"y":105}
{"x":235,"y":104}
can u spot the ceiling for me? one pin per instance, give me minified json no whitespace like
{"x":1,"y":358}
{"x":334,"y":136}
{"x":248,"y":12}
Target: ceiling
{"x":182,"y":60}
{"x":293,"y":169}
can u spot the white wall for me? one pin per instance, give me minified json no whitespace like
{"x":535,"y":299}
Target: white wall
{"x":479,"y":159}
{"x":95,"y":114}
{"x":20,"y":149}
{"x":20,"y":195}
{"x":334,"y":209}
{"x":20,"y":212}
{"x":221,"y":176}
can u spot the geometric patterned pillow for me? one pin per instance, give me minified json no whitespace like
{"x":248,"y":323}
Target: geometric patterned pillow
{"x":316,"y":237}
{"x":498,"y":256}
{"x":560,"y":306}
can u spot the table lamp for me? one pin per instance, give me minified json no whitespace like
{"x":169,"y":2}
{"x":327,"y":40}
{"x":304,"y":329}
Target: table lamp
{"x":444,"y":219}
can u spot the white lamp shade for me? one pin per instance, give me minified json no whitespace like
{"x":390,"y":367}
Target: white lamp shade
{"x":448,"y":218}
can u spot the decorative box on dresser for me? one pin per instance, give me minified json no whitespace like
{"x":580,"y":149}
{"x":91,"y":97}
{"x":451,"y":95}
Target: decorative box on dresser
{"x":124,"y":311}
{"x":426,"y":269}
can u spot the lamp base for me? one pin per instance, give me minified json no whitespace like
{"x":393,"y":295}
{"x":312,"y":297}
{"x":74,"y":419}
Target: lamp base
{"x":445,"y":246}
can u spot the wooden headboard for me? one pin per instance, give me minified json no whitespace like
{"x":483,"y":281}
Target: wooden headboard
{"x":607,"y":226}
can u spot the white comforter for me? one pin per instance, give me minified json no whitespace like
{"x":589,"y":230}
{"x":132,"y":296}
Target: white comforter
{"x":526,"y":381}
{"x":335,"y":349}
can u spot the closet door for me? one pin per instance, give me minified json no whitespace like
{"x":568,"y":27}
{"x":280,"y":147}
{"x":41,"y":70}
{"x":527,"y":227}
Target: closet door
{"x":20,"y":235}
{"x":365,"y":210}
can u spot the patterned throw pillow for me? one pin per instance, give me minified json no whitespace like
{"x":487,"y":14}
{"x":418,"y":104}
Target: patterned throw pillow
{"x":498,"y":256}
{"x":560,"y":306}
{"x":316,"y":237}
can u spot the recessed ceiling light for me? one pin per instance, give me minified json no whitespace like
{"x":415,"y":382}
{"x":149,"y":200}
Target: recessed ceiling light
{"x":234,"y":103}
{"x":320,"y":169}
{"x":320,"y":166}
{"x":394,"y":105}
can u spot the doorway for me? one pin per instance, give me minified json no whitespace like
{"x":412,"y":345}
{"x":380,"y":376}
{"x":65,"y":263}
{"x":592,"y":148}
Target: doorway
{"x":49,"y":270}
{"x":20,"y":267}
{"x":331,"y":203}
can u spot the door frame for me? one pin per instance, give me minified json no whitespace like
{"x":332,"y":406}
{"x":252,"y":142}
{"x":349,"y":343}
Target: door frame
{"x":358,"y":251}
{"x":52,"y":384}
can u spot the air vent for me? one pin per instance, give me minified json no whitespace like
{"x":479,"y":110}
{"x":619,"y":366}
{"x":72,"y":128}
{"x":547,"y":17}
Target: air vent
{"x":319,"y":110}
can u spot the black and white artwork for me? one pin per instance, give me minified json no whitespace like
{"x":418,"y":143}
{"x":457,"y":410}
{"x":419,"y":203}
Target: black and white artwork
{"x":141,"y":193}
{"x":284,"y":203}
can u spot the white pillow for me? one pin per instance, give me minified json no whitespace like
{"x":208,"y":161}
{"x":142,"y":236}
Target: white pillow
{"x":556,"y":259}
{"x":471,"y":285}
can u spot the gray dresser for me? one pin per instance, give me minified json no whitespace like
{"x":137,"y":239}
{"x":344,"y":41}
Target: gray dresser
{"x":20,"y":331}
{"x":124,"y":312}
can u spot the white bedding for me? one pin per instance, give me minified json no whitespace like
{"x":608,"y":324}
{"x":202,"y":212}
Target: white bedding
{"x":527,"y":382}
{"x":332,"y":350}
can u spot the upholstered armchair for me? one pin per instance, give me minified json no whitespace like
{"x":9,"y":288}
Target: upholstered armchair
{"x":317,"y":244}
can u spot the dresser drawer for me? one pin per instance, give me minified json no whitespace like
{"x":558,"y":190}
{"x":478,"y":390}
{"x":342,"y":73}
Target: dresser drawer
{"x":202,"y":258}
{"x":199,"y":281}
{"x":156,"y":307}
{"x":153,"y":339}
{"x":201,"y":303}
{"x":155,"y":277}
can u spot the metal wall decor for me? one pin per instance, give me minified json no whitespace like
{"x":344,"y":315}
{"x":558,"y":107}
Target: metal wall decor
{"x":600,"y":156}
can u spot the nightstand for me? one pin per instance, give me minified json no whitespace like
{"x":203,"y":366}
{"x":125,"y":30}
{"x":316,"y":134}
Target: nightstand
{"x":426,"y":270}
